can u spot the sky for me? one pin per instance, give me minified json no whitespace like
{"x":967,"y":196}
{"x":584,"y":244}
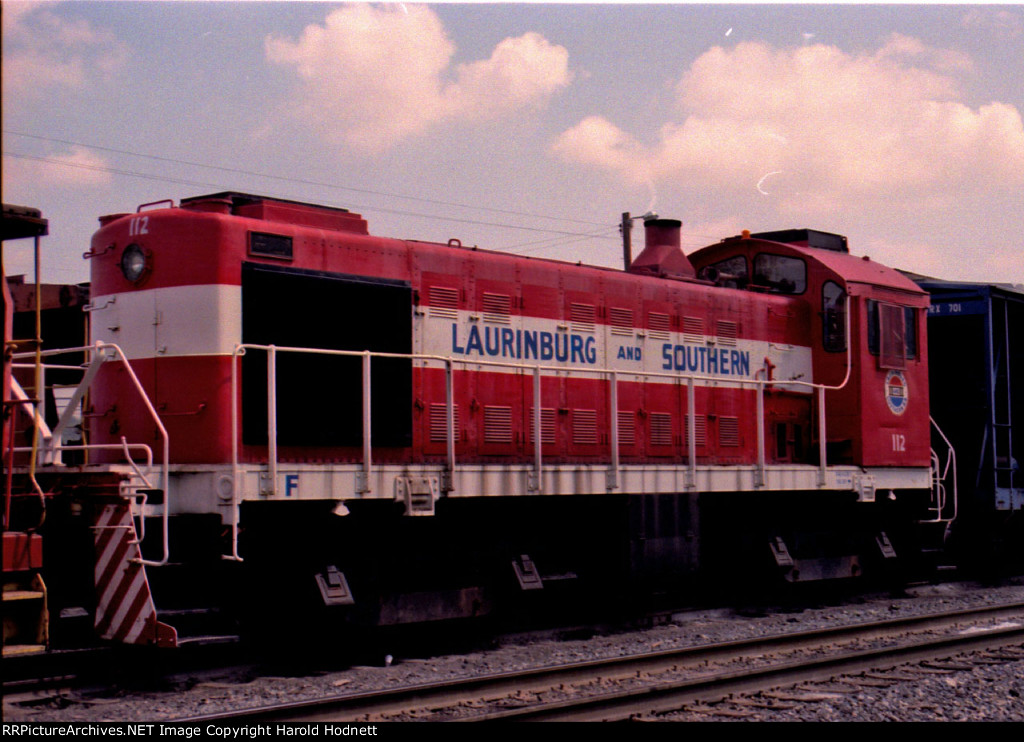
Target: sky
{"x":531,"y":127}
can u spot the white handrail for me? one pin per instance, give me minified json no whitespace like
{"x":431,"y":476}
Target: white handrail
{"x":271,"y":488}
{"x":367,"y":425}
{"x":22,"y":398}
{"x":235,"y":469}
{"x":759,"y":384}
{"x":101,"y":350}
{"x":165,"y":466}
{"x":449,"y":422}
{"x":691,"y":434}
{"x":613,"y":427}
{"x":537,"y":371}
{"x":941,"y":477}
{"x":122,"y":446}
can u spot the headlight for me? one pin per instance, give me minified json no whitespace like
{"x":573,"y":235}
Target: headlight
{"x":133,"y":263}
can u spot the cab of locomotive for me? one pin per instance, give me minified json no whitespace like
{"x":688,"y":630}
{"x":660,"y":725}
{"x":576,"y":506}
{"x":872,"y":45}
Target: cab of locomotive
{"x":868,"y":347}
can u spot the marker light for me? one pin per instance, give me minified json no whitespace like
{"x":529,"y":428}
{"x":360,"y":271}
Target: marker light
{"x":133,"y":263}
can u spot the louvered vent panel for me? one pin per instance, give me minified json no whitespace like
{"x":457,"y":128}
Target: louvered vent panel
{"x":582,"y":317}
{"x":627,"y":429}
{"x":693,"y":329}
{"x":621,"y":321}
{"x":438,"y":423}
{"x":584,"y":427}
{"x":659,"y":325}
{"x":547,"y":426}
{"x":497,"y":424}
{"x":497,"y":308}
{"x":728,"y":431}
{"x":661,"y":428}
{"x":727,"y":333}
{"x":701,"y":425}
{"x":444,"y":302}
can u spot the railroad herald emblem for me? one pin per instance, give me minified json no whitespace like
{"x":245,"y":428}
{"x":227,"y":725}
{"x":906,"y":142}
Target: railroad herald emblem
{"x":896,"y":396}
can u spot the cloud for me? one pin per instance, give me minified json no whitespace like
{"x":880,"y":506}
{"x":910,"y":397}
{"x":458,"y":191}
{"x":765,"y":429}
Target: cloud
{"x":43,"y":50}
{"x":373,"y":76}
{"x":1001,"y":23}
{"x":841,"y":128}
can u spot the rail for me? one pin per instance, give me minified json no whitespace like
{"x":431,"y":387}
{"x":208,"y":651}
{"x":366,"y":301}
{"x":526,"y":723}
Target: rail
{"x":638,"y":681}
{"x":760,"y":383}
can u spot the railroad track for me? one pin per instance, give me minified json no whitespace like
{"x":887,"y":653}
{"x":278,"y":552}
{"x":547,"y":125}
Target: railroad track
{"x":639,"y":686}
{"x":61,"y":672}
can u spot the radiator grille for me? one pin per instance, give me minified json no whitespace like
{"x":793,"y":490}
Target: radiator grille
{"x":621,"y":320}
{"x":728,"y":431}
{"x":444,"y":302}
{"x":627,"y":429}
{"x":582,"y":317}
{"x":497,"y":424}
{"x":584,"y":427}
{"x":701,"y":426}
{"x":438,"y":424}
{"x":659,"y":325}
{"x":661,"y":428}
{"x":547,"y":426}
{"x":693,"y":329}
{"x":497,"y":308}
{"x":727,"y":333}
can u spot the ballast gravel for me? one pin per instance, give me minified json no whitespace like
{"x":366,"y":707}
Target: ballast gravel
{"x":980,"y":693}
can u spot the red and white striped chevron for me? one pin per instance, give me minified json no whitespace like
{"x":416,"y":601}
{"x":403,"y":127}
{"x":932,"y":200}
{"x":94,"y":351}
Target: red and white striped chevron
{"x":125,"y":612}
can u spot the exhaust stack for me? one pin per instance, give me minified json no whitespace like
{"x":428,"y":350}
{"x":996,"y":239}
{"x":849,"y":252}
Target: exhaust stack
{"x":663,"y":252}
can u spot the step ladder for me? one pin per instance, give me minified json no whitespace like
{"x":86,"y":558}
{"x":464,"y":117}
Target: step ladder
{"x":25,"y":616}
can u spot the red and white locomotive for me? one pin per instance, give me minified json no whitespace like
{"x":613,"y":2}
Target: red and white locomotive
{"x":405,"y":431}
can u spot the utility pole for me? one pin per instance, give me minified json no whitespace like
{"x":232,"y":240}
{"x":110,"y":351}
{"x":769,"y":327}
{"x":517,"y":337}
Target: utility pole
{"x":627,"y":239}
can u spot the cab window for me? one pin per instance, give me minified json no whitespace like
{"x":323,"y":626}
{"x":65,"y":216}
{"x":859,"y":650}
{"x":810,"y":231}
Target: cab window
{"x":732,"y":272}
{"x":833,"y":317}
{"x":780,"y":274}
{"x":892,"y":333}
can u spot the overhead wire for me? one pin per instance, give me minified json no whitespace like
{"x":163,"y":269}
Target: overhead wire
{"x":181,"y":181}
{"x":606,"y":231}
{"x":298,"y":181}
{"x":536,"y":245}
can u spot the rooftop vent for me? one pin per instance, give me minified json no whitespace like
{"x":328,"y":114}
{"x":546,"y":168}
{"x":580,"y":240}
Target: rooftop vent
{"x":807,"y":238}
{"x":278,"y":210}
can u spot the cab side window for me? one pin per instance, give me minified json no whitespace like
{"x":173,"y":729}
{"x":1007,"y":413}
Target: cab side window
{"x":833,"y":317}
{"x":892,"y":333}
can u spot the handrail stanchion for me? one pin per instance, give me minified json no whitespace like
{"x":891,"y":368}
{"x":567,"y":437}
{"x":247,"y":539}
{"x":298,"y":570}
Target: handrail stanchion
{"x":271,"y":420}
{"x":691,"y":432}
{"x":236,"y":503}
{"x":613,"y":428}
{"x":165,"y":470}
{"x":367,"y":442}
{"x":760,"y":388}
{"x":537,"y":443}
{"x":449,"y":422}
{"x":823,"y":463}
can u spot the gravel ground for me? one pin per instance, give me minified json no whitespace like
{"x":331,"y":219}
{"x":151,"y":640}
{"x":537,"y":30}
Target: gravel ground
{"x":988,"y":693}
{"x":994,"y":692}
